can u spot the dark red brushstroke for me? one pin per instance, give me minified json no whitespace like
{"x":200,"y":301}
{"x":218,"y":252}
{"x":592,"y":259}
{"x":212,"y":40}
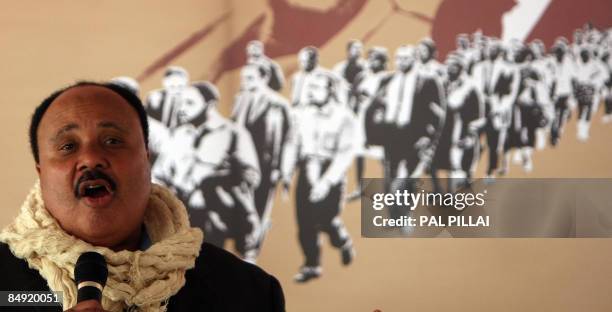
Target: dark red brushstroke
{"x":467,"y":16}
{"x":420,"y":16}
{"x":397,"y":9}
{"x":562,"y":17}
{"x":219,"y":66}
{"x":181,"y":48}
{"x":366,"y":38}
{"x":293,"y":28}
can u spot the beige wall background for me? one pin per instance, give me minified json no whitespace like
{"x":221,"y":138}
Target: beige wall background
{"x":46,"y":45}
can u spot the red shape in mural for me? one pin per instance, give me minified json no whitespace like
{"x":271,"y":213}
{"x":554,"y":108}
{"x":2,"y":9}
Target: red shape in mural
{"x":562,"y":17}
{"x":294,"y":27}
{"x":467,"y":16}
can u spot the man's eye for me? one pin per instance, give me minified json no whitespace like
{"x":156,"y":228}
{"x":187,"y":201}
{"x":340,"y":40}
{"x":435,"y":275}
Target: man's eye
{"x":112,"y":141}
{"x":67,"y":147}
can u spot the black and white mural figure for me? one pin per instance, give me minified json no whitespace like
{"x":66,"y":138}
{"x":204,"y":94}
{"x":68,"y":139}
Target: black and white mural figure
{"x":308,"y":60}
{"x":479,"y":66}
{"x":599,"y":43}
{"x":266,"y":116}
{"x":564,"y":70}
{"x":256,"y":56}
{"x":364,"y":89}
{"x":426,"y":51}
{"x":463,"y":47}
{"x":162,"y":107}
{"x":322,"y":146}
{"x":476,"y":52}
{"x":351,"y":67}
{"x":577,"y":43}
{"x":458,"y":149}
{"x":414,"y":108}
{"x":543,"y":65}
{"x":529,"y":111}
{"x":590,"y":78}
{"x":428,"y":66}
{"x":501,"y":89}
{"x":211,"y":164}
{"x":607,"y":87}
{"x":479,"y":42}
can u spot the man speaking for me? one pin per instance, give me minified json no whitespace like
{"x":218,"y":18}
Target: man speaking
{"x":89,"y":142}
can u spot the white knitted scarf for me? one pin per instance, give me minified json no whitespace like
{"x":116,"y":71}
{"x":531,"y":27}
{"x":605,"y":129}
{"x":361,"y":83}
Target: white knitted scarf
{"x":137,"y":280}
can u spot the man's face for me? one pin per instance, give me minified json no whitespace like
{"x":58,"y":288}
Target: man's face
{"x":374,"y":62}
{"x":538,"y":49}
{"x":404,"y":58}
{"x":307,"y":61}
{"x":94,"y":166}
{"x":192,"y":106}
{"x":462,"y":42}
{"x":175,"y":83}
{"x":453,"y":69}
{"x":585,"y":55}
{"x":254,"y":49}
{"x":251,"y":80}
{"x":559,"y":53}
{"x":478,"y":38}
{"x":423,"y":52}
{"x":355,"y":50}
{"x":484,"y":50}
{"x":578,"y":37}
{"x":494,"y":51}
{"x":318,"y":91}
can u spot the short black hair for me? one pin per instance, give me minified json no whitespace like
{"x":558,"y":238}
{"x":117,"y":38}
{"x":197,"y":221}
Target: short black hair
{"x":207,"y":90}
{"x":351,"y":42}
{"x":313,"y":53}
{"x":430,"y":45}
{"x":125,"y":93}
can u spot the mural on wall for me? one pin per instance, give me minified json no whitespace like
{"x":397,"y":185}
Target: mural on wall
{"x":491,"y":87}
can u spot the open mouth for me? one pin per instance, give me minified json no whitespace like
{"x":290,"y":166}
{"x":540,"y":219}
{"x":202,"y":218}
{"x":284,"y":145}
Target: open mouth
{"x":94,"y":189}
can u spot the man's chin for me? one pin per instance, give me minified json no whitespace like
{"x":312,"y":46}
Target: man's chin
{"x":98,"y":202}
{"x":97,"y":221}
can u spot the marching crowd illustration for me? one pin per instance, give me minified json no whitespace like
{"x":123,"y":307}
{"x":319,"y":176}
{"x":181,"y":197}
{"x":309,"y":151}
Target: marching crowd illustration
{"x":421,"y":117}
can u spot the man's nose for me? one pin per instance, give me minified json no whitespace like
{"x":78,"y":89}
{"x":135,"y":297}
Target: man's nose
{"x":91,"y":156}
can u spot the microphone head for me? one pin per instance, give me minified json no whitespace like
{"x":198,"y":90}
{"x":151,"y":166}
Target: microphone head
{"x":91,"y":266}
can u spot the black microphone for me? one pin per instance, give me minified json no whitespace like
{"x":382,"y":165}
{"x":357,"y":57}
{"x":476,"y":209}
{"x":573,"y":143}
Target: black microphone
{"x":90,"y":275}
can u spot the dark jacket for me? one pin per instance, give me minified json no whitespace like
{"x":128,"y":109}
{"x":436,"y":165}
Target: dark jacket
{"x":219,"y":282}
{"x":423,"y":123}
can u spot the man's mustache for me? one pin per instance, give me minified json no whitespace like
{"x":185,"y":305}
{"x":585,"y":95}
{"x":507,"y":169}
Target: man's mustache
{"x":94,"y":174}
